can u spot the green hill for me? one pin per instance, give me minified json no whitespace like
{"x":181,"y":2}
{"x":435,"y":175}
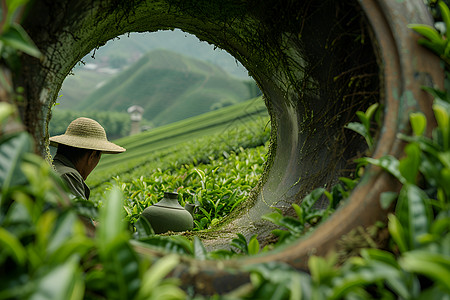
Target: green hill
{"x":170,"y":87}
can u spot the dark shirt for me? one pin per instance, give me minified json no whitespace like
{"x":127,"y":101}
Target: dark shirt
{"x":66,"y":169}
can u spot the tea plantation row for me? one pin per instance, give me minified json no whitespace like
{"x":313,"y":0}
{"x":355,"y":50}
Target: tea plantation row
{"x":216,"y":172}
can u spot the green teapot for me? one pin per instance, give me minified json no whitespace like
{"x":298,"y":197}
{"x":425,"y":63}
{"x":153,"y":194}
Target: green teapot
{"x":169,"y":215}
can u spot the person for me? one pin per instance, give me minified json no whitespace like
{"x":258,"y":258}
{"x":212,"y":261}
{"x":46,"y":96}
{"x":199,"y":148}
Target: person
{"x":78,"y":152}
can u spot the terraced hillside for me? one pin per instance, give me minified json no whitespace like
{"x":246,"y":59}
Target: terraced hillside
{"x":161,"y":141}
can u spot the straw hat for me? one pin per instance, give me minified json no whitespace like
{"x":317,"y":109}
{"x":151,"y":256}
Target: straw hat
{"x":87,"y":134}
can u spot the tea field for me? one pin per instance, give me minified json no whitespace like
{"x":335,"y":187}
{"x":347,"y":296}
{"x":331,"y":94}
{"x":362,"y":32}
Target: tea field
{"x":212,"y":161}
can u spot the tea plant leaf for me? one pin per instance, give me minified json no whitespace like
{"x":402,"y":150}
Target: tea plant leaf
{"x":322,"y":269}
{"x":11,"y":245}
{"x":310,"y":199}
{"x":6,"y":110}
{"x":445,"y":13}
{"x":443,"y":120}
{"x":143,"y":227}
{"x":292,"y":224}
{"x":387,"y":163}
{"x":253,"y":245}
{"x":240,"y":243}
{"x":199,"y":249}
{"x":380,"y":255}
{"x":397,"y":233}
{"x":221,"y":254}
{"x":16,"y":37}
{"x":62,"y":231}
{"x":427,"y":31}
{"x":414,"y":212}
{"x":387,"y":198}
{"x":418,"y":123}
{"x":434,"y":265}
{"x":110,"y":221}
{"x":172,"y":244}
{"x":436,"y":93}
{"x":273,"y":280}
{"x":61,"y":282}
{"x":154,"y":276}
{"x":365,"y":121}
{"x":299,"y":212}
{"x":370,"y":273}
{"x":359,"y":128}
{"x":371,"y":111}
{"x":409,"y":166}
{"x":11,"y":152}
{"x":121,"y":270}
{"x":274,"y":217}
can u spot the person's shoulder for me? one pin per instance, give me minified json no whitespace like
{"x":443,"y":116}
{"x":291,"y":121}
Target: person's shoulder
{"x":63,"y":166}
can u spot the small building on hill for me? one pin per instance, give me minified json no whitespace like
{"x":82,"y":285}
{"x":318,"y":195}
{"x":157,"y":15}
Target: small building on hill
{"x":135,"y":113}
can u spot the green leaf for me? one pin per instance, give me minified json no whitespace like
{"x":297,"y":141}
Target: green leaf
{"x":438,"y":48}
{"x":17,"y":38}
{"x":445,"y":13}
{"x":418,"y":123}
{"x":299,"y":212}
{"x":156,"y":274}
{"x":387,"y":198}
{"x":11,"y":152}
{"x":436,"y":266}
{"x":370,"y":273}
{"x":240,"y":243}
{"x":61,"y":282}
{"x":359,"y":128}
{"x":199,"y":249}
{"x":409,"y":166}
{"x":111,"y":223}
{"x":294,"y":225}
{"x":397,"y":232}
{"x":121,"y":266}
{"x":274,"y":217}
{"x":322,"y":269}
{"x":427,"y":31}
{"x":387,"y":163}
{"x":436,"y":93}
{"x":172,"y":244}
{"x":413,"y":211}
{"x":443,"y":120}
{"x":13,"y":6}
{"x":253,"y":246}
{"x":63,"y":231}
{"x":371,"y":110}
{"x":143,"y":227}
{"x":380,"y":255}
{"x":13,"y":246}
{"x":364,"y":120}
{"x":310,"y":199}
{"x":6,"y":110}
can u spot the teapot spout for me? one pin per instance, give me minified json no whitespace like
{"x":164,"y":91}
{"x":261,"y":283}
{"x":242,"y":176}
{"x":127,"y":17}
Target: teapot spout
{"x":190,"y":208}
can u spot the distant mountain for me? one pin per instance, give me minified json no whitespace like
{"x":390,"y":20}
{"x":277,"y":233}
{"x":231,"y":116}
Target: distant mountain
{"x":127,"y":48}
{"x":116,"y":55}
{"x":170,"y":87}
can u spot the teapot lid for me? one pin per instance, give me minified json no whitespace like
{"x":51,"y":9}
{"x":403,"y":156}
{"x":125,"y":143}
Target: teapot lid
{"x":171,"y":195}
{"x":170,"y":200}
